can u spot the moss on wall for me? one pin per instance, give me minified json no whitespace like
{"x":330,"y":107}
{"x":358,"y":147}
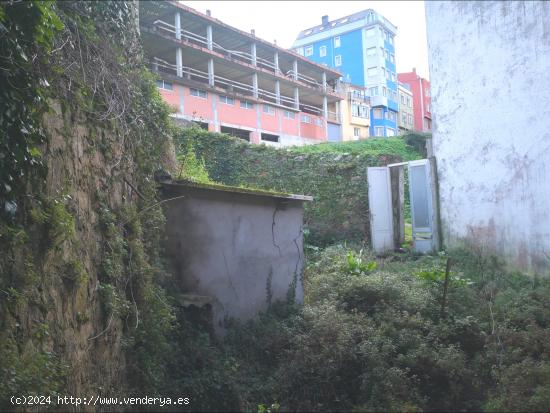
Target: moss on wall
{"x":80,"y":259}
{"x":334,"y":174}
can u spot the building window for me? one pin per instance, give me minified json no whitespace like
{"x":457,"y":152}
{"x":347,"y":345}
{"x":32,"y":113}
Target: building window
{"x":390,"y":38}
{"x":386,"y":55}
{"x":337,"y":60}
{"x":269,"y":137}
{"x":309,"y":50}
{"x":409,"y":104}
{"x":392,"y":77}
{"x":427,"y":124}
{"x":383,"y":71}
{"x":358,"y":94}
{"x":360,"y":111}
{"x":318,"y":122}
{"x":373,"y":91}
{"x":404,"y":118}
{"x":428,"y":108}
{"x":246,"y":104}
{"x":161,"y":84}
{"x":356,"y":132}
{"x":388,"y":75}
{"x":289,"y":114}
{"x":306,"y":119}
{"x":384,"y":91}
{"x":322,"y":51}
{"x":378,"y":113}
{"x":372,"y":71}
{"x":371,"y":51}
{"x":410,"y":119}
{"x":371,"y":32}
{"x":238,"y":133}
{"x":378,"y":131}
{"x":390,"y":132}
{"x":391,"y":115}
{"x":392,"y":58}
{"x":202,"y":125}
{"x":402,"y":99}
{"x":270,"y":110}
{"x":227,"y":100}
{"x":198,"y":93}
{"x":337,"y":42}
{"x":300,"y":51}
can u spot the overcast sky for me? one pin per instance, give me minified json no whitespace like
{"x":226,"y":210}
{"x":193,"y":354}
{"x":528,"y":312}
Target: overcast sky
{"x":282,"y":20}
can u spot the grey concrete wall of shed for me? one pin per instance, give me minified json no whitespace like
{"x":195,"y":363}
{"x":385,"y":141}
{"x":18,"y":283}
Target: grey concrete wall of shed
{"x":235,"y":248}
{"x":489,"y":61}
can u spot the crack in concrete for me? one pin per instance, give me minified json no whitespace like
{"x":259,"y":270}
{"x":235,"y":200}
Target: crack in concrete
{"x":295,"y":240}
{"x":273,"y":230}
{"x":229,"y":276}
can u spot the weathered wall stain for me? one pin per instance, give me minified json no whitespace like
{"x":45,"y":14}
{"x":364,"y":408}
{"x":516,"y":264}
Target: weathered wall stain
{"x":244,"y":251}
{"x":490,"y":116}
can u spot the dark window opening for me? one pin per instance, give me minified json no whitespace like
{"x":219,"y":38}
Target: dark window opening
{"x":238,"y":133}
{"x":202,"y":125}
{"x":270,"y":138}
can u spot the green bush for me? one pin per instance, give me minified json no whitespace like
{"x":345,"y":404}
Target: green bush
{"x":377,"y":341}
{"x":334,"y":174}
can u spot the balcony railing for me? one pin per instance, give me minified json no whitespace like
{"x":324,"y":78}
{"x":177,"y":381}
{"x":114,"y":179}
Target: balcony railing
{"x":359,"y":98}
{"x":241,"y":56}
{"x":231,"y":86}
{"x":334,"y":117}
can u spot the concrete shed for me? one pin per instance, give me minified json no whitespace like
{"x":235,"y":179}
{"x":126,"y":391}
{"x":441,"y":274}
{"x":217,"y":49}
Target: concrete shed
{"x":234,"y":249}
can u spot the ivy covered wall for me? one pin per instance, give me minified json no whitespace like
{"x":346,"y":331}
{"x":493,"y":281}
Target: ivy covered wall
{"x":82,"y":132}
{"x":334,"y":174}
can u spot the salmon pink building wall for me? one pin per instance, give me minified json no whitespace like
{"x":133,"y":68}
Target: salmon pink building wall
{"x":216,"y":113}
{"x":236,"y":116}
{"x":313,"y":130}
{"x":197,"y":107}
{"x":171,"y":97}
{"x":290,"y":126}
{"x":270,"y":122}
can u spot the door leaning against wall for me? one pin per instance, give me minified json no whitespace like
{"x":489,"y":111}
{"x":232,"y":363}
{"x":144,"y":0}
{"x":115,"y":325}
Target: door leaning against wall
{"x":388,"y":210}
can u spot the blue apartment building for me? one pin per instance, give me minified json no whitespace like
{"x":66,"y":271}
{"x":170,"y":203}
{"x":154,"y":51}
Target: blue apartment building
{"x":362,"y":47}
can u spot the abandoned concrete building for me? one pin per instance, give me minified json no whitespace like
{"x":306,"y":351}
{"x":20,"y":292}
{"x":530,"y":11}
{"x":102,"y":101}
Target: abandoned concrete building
{"x":491,"y":136}
{"x":233,"y":250}
{"x":233,"y":82}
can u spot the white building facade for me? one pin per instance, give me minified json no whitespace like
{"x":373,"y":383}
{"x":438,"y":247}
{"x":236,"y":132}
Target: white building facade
{"x":489,"y":62}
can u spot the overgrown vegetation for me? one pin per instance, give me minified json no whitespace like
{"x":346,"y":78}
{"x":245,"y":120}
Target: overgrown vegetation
{"x":334,"y":174}
{"x":83,"y":130}
{"x":27,"y":33}
{"x":81,"y":268}
{"x":408,"y":147}
{"x":377,"y":340}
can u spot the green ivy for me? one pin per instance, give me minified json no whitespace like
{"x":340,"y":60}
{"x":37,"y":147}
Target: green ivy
{"x":27,"y":31}
{"x":334,"y":174}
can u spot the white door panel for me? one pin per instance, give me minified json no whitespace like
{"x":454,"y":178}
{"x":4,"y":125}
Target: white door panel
{"x":421,"y":205}
{"x":380,"y":208}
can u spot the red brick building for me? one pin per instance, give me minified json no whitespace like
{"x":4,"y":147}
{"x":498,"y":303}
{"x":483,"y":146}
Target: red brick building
{"x":420,"y":89}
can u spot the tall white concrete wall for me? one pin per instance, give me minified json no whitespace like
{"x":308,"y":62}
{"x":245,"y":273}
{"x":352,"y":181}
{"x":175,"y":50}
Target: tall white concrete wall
{"x":489,"y":74}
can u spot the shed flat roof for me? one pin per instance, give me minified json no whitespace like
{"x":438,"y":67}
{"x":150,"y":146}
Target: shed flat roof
{"x":236,"y":190}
